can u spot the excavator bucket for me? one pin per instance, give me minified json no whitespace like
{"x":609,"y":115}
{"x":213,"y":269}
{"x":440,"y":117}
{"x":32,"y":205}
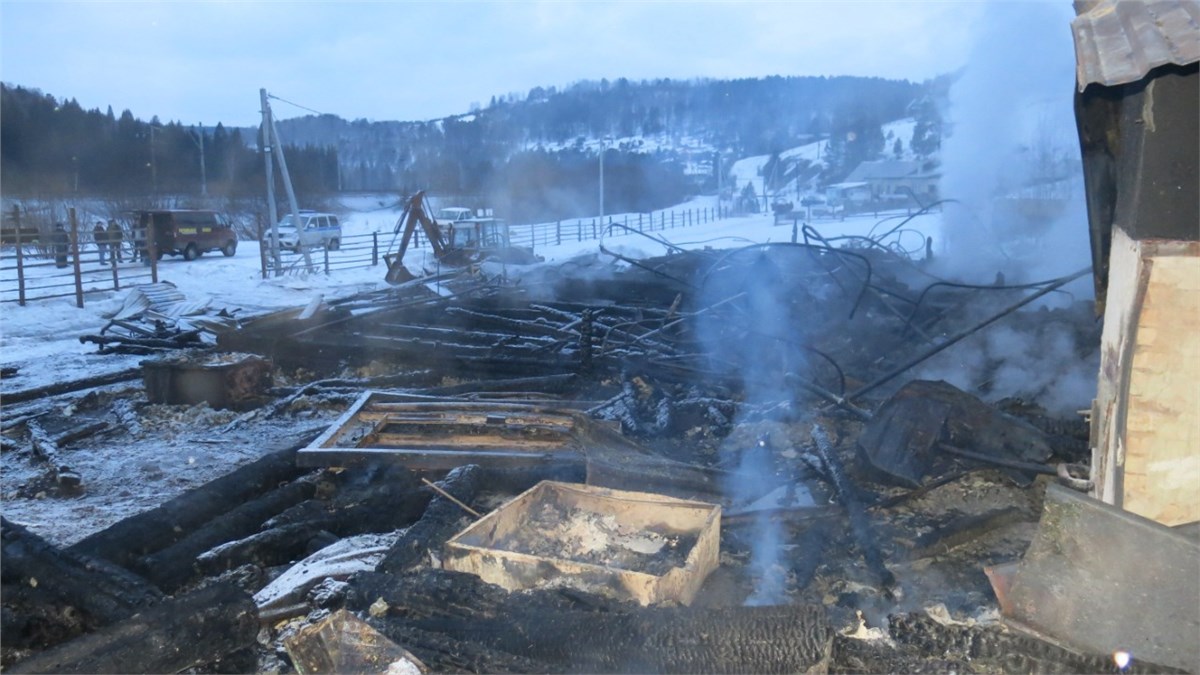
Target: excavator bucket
{"x":397,"y":273}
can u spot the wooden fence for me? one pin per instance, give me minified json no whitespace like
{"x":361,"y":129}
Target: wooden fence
{"x":66,"y":266}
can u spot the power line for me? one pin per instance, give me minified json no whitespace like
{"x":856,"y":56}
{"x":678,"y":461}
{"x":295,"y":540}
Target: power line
{"x":318,"y":112}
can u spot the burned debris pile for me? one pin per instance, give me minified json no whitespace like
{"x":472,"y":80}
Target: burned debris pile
{"x":713,"y":461}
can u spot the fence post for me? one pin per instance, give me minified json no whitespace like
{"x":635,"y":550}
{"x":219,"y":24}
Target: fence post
{"x":325,"y":250}
{"x":639,"y":222}
{"x":152,"y":252}
{"x":593,"y":228}
{"x":75,"y":255}
{"x":20,"y":259}
{"x":374,"y":249}
{"x":672,"y":219}
{"x":558,"y":232}
{"x":112,"y":260}
{"x":579,"y":229}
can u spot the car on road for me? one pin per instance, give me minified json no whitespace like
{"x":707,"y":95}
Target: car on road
{"x":313,"y":230}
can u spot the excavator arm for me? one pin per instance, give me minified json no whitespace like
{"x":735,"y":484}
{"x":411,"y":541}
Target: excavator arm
{"x":414,"y":215}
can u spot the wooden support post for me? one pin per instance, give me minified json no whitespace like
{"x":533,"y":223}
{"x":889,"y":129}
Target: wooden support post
{"x":558,"y":232}
{"x":112,"y":259}
{"x":152,"y":251}
{"x":325,"y":251}
{"x":20,"y":259}
{"x":374,"y":249}
{"x":75,"y":256}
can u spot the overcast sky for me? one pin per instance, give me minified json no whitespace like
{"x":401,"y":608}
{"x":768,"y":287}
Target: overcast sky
{"x":204,"y":62}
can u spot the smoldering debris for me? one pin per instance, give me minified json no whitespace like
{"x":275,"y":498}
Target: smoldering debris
{"x":715,"y":376}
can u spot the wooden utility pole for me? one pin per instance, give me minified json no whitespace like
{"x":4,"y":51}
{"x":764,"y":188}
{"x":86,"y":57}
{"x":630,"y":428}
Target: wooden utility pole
{"x":271,"y":142}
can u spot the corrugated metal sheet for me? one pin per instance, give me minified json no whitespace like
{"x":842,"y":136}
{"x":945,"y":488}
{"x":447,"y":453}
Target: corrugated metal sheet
{"x":1119,"y":41}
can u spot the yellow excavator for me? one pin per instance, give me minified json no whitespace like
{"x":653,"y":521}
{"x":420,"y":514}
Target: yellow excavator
{"x":464,"y":241}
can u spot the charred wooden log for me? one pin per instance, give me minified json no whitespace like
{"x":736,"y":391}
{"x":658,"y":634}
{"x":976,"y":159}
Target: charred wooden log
{"x":80,"y":432}
{"x":46,"y":448}
{"x":128,"y":540}
{"x":72,"y":385}
{"x":176,"y":634}
{"x":442,"y":518}
{"x":859,"y":524}
{"x":172,"y":567}
{"x":369,"y":498}
{"x":436,"y":593}
{"x":47,"y":586}
{"x":123,"y":410}
{"x":1008,"y":652}
{"x":276,"y":546}
{"x":792,"y":639}
{"x":574,"y":631}
{"x":35,"y":618}
{"x":183,"y":340}
{"x":445,"y":654}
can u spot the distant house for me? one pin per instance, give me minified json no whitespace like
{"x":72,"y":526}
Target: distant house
{"x":849,"y":192}
{"x":892,"y":179}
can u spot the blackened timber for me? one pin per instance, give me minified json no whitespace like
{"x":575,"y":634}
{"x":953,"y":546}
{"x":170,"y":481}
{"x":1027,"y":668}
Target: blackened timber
{"x":545,"y":384}
{"x":172,"y":567}
{"x":442,"y":518}
{"x":473,"y":335}
{"x":859,"y":525}
{"x":370,"y":498}
{"x":125,"y":541}
{"x":443,"y":654}
{"x":102,"y":591}
{"x":171,"y":636}
{"x":72,"y":385}
{"x":787,"y":638}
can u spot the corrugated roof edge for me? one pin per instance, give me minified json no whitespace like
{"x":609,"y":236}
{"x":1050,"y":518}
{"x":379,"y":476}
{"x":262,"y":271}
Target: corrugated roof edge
{"x":1119,"y":41}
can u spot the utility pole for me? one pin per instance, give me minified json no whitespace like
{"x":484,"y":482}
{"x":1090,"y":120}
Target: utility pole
{"x":271,"y":141}
{"x":203,"y":171}
{"x":265,"y":133}
{"x":602,"y":149}
{"x":153,"y":163}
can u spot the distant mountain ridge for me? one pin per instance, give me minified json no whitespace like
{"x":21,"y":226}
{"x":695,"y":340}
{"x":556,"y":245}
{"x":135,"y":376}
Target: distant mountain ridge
{"x":666,"y":118}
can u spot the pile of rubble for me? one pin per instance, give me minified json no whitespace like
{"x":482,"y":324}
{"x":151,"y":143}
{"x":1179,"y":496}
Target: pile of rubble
{"x":857,"y":506}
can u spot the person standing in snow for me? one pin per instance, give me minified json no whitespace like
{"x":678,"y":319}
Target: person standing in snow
{"x":100,"y":236}
{"x":60,"y":245}
{"x":115,"y":235}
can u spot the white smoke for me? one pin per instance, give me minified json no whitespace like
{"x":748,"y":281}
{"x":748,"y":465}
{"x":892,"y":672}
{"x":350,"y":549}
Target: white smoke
{"x":1011,"y":155}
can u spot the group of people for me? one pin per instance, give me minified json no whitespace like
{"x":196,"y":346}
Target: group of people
{"x":108,"y":240}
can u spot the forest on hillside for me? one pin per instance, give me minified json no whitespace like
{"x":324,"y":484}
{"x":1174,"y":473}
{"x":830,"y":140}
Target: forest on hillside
{"x":531,"y":156}
{"x":52,"y":147}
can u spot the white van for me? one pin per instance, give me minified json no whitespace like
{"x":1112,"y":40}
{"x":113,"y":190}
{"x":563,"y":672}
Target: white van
{"x":315,"y":230}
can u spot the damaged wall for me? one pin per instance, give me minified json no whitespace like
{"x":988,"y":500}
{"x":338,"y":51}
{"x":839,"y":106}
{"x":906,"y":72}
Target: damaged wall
{"x":1139,"y":129}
